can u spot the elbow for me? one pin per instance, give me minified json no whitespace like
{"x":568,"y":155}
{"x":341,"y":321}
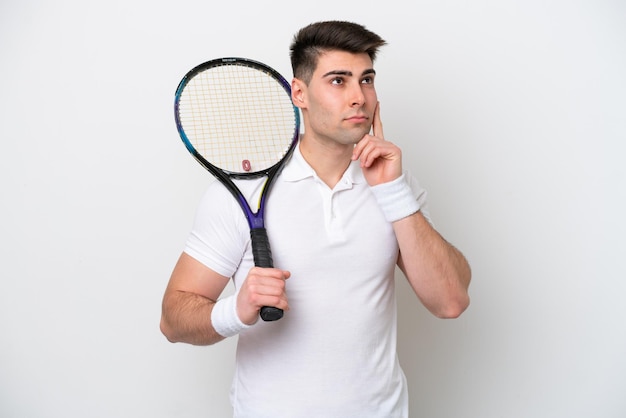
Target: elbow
{"x":168,"y":331}
{"x":458,"y":299}
{"x":453,"y":308}
{"x":168,"y":324}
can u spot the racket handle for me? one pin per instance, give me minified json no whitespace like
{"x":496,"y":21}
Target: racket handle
{"x":262,"y":254}
{"x":261,"y":248}
{"x":269,"y":313}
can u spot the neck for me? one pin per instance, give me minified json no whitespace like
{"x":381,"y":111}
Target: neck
{"x":329,"y":160}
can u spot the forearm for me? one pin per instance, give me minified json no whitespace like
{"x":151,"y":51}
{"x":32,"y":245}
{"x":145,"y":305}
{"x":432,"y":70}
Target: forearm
{"x":186,"y":317}
{"x":438,"y":272}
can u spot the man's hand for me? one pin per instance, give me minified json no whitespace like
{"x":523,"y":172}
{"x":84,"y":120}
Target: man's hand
{"x":381,"y":160}
{"x":262,"y":287}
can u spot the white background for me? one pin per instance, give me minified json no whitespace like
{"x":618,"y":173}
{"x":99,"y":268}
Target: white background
{"x":511,"y":113}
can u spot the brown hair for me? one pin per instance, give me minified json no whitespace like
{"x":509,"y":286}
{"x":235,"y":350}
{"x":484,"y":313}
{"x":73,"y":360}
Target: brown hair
{"x":316,"y":38}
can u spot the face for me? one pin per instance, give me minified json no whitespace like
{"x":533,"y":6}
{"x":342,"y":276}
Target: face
{"x":338,"y":103}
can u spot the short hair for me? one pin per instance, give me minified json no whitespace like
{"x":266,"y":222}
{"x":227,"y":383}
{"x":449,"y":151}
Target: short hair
{"x":313,"y":40}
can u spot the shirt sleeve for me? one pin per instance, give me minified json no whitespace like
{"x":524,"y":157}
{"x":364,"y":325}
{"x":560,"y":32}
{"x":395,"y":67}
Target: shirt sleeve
{"x":220,"y":235}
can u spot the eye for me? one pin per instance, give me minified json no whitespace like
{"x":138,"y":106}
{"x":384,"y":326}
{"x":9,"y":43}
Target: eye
{"x":336,"y":81}
{"x":367,"y":80}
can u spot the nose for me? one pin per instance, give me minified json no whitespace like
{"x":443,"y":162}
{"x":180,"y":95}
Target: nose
{"x":357,"y":98}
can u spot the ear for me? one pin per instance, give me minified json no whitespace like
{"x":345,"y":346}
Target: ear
{"x":298,"y":90}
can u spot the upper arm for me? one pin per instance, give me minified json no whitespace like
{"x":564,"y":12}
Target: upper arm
{"x":188,"y":302}
{"x":191,"y":276}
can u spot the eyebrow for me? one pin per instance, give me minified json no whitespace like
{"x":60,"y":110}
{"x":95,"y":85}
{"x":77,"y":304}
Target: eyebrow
{"x":349,"y":73}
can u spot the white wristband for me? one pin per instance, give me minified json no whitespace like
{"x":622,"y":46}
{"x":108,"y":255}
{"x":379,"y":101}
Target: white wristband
{"x":224,"y":317}
{"x":396,"y":199}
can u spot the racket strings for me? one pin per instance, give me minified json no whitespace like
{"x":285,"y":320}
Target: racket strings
{"x":237,"y":117}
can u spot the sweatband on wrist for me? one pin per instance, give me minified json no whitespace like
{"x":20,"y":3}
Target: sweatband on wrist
{"x":224,"y":317}
{"x":396,"y":199}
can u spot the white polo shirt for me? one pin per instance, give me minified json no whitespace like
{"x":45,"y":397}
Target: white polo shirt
{"x":333,"y":354}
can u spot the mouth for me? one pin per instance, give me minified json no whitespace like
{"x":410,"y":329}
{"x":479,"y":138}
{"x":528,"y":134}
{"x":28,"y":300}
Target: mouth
{"x":357,"y":119}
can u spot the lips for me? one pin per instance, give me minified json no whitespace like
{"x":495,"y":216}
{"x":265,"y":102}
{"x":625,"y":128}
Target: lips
{"x":357,"y":118}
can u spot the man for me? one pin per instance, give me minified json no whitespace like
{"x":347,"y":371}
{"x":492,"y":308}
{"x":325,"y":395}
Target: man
{"x":341,"y":215}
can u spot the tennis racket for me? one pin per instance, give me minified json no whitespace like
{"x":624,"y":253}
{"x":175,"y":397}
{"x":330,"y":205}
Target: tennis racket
{"x":236,"y":118}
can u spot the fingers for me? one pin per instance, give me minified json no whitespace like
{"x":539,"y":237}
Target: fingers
{"x":372,"y":148}
{"x":368,"y":150}
{"x":262,"y":287}
{"x":381,"y":160}
{"x":377,"y":124}
{"x":366,"y":142}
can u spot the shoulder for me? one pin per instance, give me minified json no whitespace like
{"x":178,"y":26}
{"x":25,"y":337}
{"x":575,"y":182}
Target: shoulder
{"x":220,"y":198}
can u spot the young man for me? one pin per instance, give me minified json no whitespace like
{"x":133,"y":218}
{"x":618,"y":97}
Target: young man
{"x":341,"y":215}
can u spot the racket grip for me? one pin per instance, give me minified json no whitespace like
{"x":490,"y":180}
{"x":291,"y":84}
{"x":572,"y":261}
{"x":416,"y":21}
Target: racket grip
{"x":261,"y":248}
{"x":262,"y":254}
{"x":270,"y":313}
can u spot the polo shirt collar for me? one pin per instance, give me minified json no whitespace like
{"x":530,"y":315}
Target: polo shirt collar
{"x":298,"y":169}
